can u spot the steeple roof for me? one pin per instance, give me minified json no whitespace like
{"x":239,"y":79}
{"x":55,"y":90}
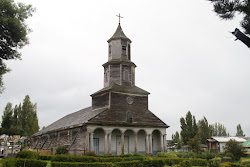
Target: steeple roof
{"x":119,"y":34}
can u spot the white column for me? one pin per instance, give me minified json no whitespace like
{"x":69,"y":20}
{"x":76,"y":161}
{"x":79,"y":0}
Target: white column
{"x":135,"y":134}
{"x":122,"y":139}
{"x":109,"y":143}
{"x":105,"y":144}
{"x":87,"y":142}
{"x":164,"y":142}
{"x":161,"y":140}
{"x":91,"y":141}
{"x":147,"y":144}
{"x":150,"y":143}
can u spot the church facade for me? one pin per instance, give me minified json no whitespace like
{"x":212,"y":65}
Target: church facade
{"x":118,"y":122}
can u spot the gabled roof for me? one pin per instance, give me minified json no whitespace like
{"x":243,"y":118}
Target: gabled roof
{"x":119,"y":34}
{"x":123,"y":89}
{"x":226,"y":139}
{"x":71,"y":120}
{"x":246,"y":143}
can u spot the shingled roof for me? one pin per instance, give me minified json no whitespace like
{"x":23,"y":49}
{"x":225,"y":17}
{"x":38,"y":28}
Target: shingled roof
{"x":119,"y":34}
{"x":72,"y":120}
{"x":123,"y":89}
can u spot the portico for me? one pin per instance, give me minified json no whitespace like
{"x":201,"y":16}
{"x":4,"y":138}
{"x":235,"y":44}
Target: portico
{"x":124,"y":140}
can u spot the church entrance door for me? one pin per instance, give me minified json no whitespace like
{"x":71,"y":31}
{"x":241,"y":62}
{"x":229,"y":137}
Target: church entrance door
{"x":96,"y":145}
{"x":119,"y":145}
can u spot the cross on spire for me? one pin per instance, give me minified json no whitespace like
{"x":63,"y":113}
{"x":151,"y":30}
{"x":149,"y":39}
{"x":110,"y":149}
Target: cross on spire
{"x":119,"y":17}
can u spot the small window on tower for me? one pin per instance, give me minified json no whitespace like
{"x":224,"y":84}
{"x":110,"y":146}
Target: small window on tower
{"x":109,"y":50}
{"x":128,"y":51}
{"x":124,"y":50}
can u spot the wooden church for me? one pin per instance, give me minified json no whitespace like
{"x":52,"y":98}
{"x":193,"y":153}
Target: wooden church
{"x":118,"y":122}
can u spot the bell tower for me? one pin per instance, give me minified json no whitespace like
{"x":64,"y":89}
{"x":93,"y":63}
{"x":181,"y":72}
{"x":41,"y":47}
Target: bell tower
{"x":119,"y":69}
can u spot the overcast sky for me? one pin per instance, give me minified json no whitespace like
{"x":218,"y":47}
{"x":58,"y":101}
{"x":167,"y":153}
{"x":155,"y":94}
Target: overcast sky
{"x":185,"y":56}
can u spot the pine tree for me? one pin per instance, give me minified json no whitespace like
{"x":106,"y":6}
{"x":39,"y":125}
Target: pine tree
{"x":227,"y":9}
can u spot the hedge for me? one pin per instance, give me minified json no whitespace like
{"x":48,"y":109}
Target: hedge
{"x":45,"y":157}
{"x":79,"y":164}
{"x":73,"y":158}
{"x":154,"y":163}
{"x":14,"y":162}
{"x":27,"y":155}
{"x":135,"y":163}
{"x":215,"y":162}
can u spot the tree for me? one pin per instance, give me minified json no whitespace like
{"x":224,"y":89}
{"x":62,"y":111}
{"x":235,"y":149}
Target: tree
{"x":194,"y":144}
{"x":28,"y":117}
{"x":13,"y":31}
{"x":236,"y":149}
{"x":7,"y":119}
{"x":188,"y":127}
{"x":227,"y":9}
{"x":218,"y":130}
{"x":203,"y":130}
{"x":239,"y":131}
{"x":22,"y":120}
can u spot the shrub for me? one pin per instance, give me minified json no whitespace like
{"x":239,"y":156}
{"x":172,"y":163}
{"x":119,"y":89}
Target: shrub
{"x":167,"y":155}
{"x":173,"y":161}
{"x":226,"y":159}
{"x":78,"y":164}
{"x":245,"y":161}
{"x":236,"y":165}
{"x":215,"y":162}
{"x":198,"y":162}
{"x":154,"y":163}
{"x":91,"y":153}
{"x":61,"y":149}
{"x":74,"y":158}
{"x":128,"y":164}
{"x":27,"y":155}
{"x":225,"y":164}
{"x":30,"y":163}
{"x":45,"y":157}
{"x":12,"y":162}
{"x":185,"y":163}
{"x":111,"y":159}
{"x":9,"y":162}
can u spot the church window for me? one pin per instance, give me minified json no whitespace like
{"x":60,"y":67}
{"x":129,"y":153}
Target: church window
{"x":106,"y":75}
{"x":109,"y":50}
{"x":125,"y":74}
{"x":124,"y":50}
{"x":129,"y":51}
{"x":129,"y":117}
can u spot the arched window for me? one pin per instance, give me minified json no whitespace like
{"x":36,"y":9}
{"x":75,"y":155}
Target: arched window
{"x":129,"y":117}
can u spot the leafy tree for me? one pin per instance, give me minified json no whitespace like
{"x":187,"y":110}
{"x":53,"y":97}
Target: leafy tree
{"x":13,"y":32}
{"x":176,"y":137}
{"x":7,"y":119}
{"x":236,"y":149}
{"x":194,"y":144}
{"x":188,"y":127}
{"x":204,"y":131}
{"x":219,"y":130}
{"x":21,"y":120}
{"x":239,"y":131}
{"x":28,"y":117}
{"x":227,"y":9}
